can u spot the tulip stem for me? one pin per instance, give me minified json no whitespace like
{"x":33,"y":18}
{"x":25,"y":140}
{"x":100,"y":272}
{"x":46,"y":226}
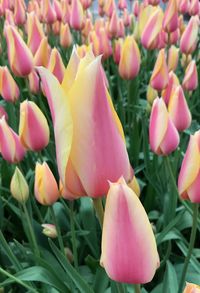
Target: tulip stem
{"x":191,"y":246}
{"x":60,"y":240}
{"x":73,"y":235}
{"x":137,"y":288}
{"x":99,"y":210}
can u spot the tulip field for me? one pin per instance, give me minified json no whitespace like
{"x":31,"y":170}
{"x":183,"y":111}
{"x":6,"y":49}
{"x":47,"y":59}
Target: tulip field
{"x":99,"y":146}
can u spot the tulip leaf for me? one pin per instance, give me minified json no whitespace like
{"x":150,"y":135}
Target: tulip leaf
{"x":101,"y":281}
{"x":170,"y":284}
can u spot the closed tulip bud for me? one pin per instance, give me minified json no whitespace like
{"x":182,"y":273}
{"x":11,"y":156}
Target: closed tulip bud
{"x":56,"y":28}
{"x":136,"y":8}
{"x":190,"y":81}
{"x":48,"y":12}
{"x":121,"y":29}
{"x":113,"y":24}
{"x":151,"y":94}
{"x":3,"y":113}
{"x":130,"y":60}
{"x":181,"y":24}
{"x":19,"y":56}
{"x":56,"y":65}
{"x":66,"y":11}
{"x":58,"y":9}
{"x":8,"y":88}
{"x":109,"y":7}
{"x":105,"y":47}
{"x":194,"y":7}
{"x":19,"y":187}
{"x":33,"y":127}
{"x":173,"y":57}
{"x":35,"y":32}
{"x":127,"y":230}
{"x":170,"y":21}
{"x":152,"y":28}
{"x":77,"y":16}
{"x":49,"y":230}
{"x":87,"y":28}
{"x":9,"y":18}
{"x":34,"y":83}
{"x":86,"y":4}
{"x":159,"y":78}
{"x":122,"y":4}
{"x":174,"y":37}
{"x":163,"y":135}
{"x":10,"y":145}
{"x":89,"y":172}
{"x":185,"y":60}
{"x":19,"y":12}
{"x":173,"y":83}
{"x":189,"y":176}
{"x":65,"y":36}
{"x":42,"y":54}
{"x":189,"y":37}
{"x":117,"y":50}
{"x":154,"y":2}
{"x":191,"y":288}
{"x":183,"y":6}
{"x":178,"y":109}
{"x":45,"y":186}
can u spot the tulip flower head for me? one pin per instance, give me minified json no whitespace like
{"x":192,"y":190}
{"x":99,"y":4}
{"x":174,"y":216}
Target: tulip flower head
{"x":173,"y":83}
{"x":173,"y":57}
{"x":77,"y":16}
{"x":189,"y":175}
{"x":127,"y":231}
{"x":34,"y":83}
{"x":42,"y":55}
{"x":56,"y":65}
{"x":19,"y":12}
{"x":170,"y":21}
{"x":191,"y":288}
{"x":35,"y":32}
{"x":189,"y":37}
{"x":49,"y":230}
{"x":19,"y":187}
{"x":194,"y":7}
{"x":190,"y":81}
{"x":9,"y":90}
{"x":163,"y":135}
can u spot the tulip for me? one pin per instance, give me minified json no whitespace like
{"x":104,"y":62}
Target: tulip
{"x":151,"y":94}
{"x":19,"y":56}
{"x":19,"y":187}
{"x":87,"y":28}
{"x":136,"y":8}
{"x":152,"y":29}
{"x":159,"y":78}
{"x":94,"y":40}
{"x":42,"y":54}
{"x":130,"y":60}
{"x":45,"y":186}
{"x":88,"y":166}
{"x":126,"y":18}
{"x":77,"y":16}
{"x":35,"y":32}
{"x":189,"y":176}
{"x":34,"y":83}
{"x":154,"y":2}
{"x":19,"y":12}
{"x":189,"y":37}
{"x":178,"y":109}
{"x":185,"y":60}
{"x":183,"y":6}
{"x":56,"y":65}
{"x":8,"y":88}
{"x":58,"y":9}
{"x":3,"y":113}
{"x":9,"y":18}
{"x":172,"y":60}
{"x":86,"y":4}
{"x":33,"y":127}
{"x":194,"y":7}
{"x":122,"y":4}
{"x":127,"y":230}
{"x":49,"y":230}
{"x":170,"y":21}
{"x":174,"y":37}
{"x":66,"y":11}
{"x":173,"y":82}
{"x":109,"y":7}
{"x":117,"y":50}
{"x":191,"y":288}
{"x":65,"y":36}
{"x":48,"y":12}
{"x":113,"y":25}
{"x":163,"y":136}
{"x":190,"y":81}
{"x":10,"y":145}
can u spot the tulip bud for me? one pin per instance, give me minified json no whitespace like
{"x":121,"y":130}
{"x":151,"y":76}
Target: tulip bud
{"x":126,"y":229}
{"x":190,"y":81}
{"x":130,"y":60}
{"x":65,"y":36}
{"x":113,"y":25}
{"x":173,"y":82}
{"x":189,"y":37}
{"x":174,"y":37}
{"x":151,"y":94}
{"x":19,"y":187}
{"x":172,"y":60}
{"x":183,"y":6}
{"x":194,"y":7}
{"x":48,"y":12}
{"x":109,"y":7}
{"x":104,"y":44}
{"x":19,"y":12}
{"x":178,"y":109}
{"x":34,"y":83}
{"x":56,"y":65}
{"x":136,"y":8}
{"x":42,"y":54}
{"x":9,"y":18}
{"x":49,"y":230}
{"x":35,"y":32}
{"x":126,"y":18}
{"x":189,"y":176}
{"x":154,"y":2}
{"x":10,"y":145}
{"x":3,"y":113}
{"x":170,"y":21}
{"x":19,"y":56}
{"x":122,"y":4}
{"x":191,"y":288}
{"x":45,"y":187}
{"x":159,"y":78}
{"x":118,"y":44}
{"x":163,"y":136}
{"x":58,"y":9}
{"x":77,"y":16}
{"x":134,"y":185}
{"x":8,"y":88}
{"x":33,"y":127}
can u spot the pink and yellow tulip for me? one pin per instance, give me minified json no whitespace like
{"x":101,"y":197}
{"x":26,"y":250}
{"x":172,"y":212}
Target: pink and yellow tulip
{"x":170,"y":20}
{"x":19,"y":187}
{"x":9,"y":90}
{"x":56,"y":65}
{"x":76,"y":16}
{"x":190,"y":81}
{"x":191,"y":288}
{"x":172,"y":58}
{"x":189,"y":37}
{"x":35,"y":32}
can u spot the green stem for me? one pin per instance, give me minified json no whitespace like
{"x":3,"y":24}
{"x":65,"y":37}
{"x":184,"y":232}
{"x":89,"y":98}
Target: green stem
{"x":137,"y":288}
{"x":60,"y":240}
{"x":99,"y":210}
{"x":120,"y":288}
{"x":73,"y":234}
{"x":191,"y":246}
{"x":31,"y":231}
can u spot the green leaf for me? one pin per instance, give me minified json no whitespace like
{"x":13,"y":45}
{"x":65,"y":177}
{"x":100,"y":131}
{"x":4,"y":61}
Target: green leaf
{"x":101,"y":281}
{"x":170,"y":284}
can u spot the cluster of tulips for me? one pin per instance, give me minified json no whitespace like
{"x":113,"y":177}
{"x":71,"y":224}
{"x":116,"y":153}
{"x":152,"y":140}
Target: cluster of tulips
{"x":67,"y":78}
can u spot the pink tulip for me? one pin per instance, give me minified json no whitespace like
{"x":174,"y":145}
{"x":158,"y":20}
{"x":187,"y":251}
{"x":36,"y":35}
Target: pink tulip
{"x":35,"y":32}
{"x":127,"y":231}
{"x":56,"y":65}
{"x":117,"y":50}
{"x":178,"y":109}
{"x":170,"y":21}
{"x":48,"y":12}
{"x":34,"y":83}
{"x":191,"y":288}
{"x":65,"y":36}
{"x":3,"y":113}
{"x":173,"y":57}
{"x":163,"y":136}
{"x":58,"y":9}
{"x":159,"y":78}
{"x":154,"y":2}
{"x":189,"y":176}
{"x":86,"y":4}
{"x":77,"y":16}
{"x":33,"y":127}
{"x":19,"y":12}
{"x":42,"y":55}
{"x":109,"y":7}
{"x":113,"y":24}
{"x":136,"y":8}
{"x":173,"y":83}
{"x":183,"y":6}
{"x":190,"y":81}
{"x":10,"y":145}
{"x":189,"y":37}
{"x":9,"y":90}
{"x":174,"y":37}
{"x":194,"y":7}
{"x":122,"y":4}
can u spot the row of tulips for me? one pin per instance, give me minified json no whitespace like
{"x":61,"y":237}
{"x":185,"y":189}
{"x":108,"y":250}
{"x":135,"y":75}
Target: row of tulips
{"x":69,"y":145}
